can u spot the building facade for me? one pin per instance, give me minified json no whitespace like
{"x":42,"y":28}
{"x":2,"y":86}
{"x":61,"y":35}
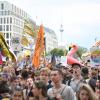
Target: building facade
{"x":12,"y":23}
{"x":12,"y":20}
{"x":51,"y":41}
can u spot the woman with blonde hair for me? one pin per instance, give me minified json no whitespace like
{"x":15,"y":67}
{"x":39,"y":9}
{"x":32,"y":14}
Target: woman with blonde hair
{"x":85,"y":93}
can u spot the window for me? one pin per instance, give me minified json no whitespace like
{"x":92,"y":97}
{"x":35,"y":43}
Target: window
{"x":18,"y":22}
{"x":7,"y":20}
{"x":8,"y":12}
{"x":2,"y":6}
{"x":15,"y":8}
{"x":3,"y":27}
{"x":10,"y":35}
{"x":4,"y":20}
{"x":5,"y":12}
{"x":10,"y":20}
{"x":20,"y":12}
{"x":7,"y":27}
{"x":12,"y":7}
{"x":1,"y":20}
{"x":7,"y":35}
{"x":0,"y":27}
{"x":1,"y":12}
{"x":10,"y":28}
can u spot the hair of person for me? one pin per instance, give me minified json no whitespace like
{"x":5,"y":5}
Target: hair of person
{"x":24,"y":74}
{"x":36,"y":72}
{"x":86,"y":87}
{"x":99,"y":77}
{"x":4,"y":88}
{"x":19,"y":89}
{"x":84,"y":71}
{"x":58,"y":70}
{"x":13,"y":78}
{"x":41,"y":85}
{"x":77,"y":65}
{"x":45,"y":70}
{"x":92,"y":84}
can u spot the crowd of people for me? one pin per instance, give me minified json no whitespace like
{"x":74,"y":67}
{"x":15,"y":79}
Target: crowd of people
{"x":64,"y":83}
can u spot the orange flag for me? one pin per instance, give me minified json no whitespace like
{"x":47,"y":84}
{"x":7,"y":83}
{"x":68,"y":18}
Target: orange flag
{"x":39,"y":48}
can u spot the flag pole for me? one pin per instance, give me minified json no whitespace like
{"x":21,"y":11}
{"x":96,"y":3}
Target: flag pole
{"x":44,"y":50}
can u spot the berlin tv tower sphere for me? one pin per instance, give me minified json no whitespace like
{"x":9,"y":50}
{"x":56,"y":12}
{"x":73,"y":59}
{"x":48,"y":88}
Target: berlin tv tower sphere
{"x":61,"y":28}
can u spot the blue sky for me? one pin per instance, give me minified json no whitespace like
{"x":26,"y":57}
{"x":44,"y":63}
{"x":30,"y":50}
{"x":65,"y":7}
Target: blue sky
{"x":80,"y":18}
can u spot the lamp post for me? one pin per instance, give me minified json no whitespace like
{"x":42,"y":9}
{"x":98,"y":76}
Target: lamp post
{"x":61,"y":31}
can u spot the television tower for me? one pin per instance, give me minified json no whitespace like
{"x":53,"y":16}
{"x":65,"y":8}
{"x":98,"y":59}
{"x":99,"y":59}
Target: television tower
{"x":61,"y":32}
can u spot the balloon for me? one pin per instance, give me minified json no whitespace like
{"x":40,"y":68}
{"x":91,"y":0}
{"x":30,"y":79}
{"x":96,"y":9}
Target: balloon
{"x":70,"y":59}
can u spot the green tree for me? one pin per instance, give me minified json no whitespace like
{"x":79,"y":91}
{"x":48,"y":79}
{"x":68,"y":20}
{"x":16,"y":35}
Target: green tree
{"x":80,"y":51}
{"x":58,"y":52}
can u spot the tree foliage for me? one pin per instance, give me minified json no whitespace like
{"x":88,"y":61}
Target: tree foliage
{"x":62,"y":52}
{"x":58,"y":52}
{"x":80,"y":51}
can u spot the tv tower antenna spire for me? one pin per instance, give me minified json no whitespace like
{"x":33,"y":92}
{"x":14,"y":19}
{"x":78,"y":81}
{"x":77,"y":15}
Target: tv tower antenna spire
{"x":61,"y":32}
